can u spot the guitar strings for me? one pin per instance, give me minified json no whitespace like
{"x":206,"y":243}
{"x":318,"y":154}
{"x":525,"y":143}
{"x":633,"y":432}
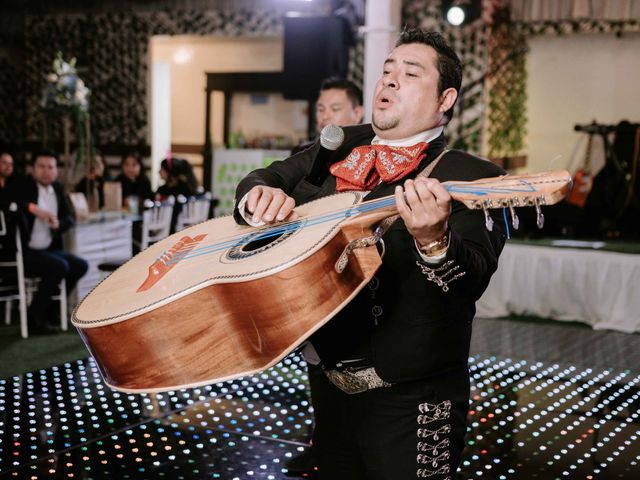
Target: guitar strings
{"x":290,"y":226}
{"x":293,"y":225}
{"x":367,"y":206}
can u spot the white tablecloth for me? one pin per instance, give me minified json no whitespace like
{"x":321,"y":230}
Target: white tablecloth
{"x":98,"y":241}
{"x":596,"y":287}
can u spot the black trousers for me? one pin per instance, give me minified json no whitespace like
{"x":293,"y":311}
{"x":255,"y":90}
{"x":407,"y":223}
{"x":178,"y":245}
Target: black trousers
{"x":51,"y":266}
{"x":321,"y":392}
{"x":406,"y":431}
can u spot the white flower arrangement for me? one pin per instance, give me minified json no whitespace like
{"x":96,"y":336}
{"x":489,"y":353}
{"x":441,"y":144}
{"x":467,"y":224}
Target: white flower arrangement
{"x":64,"y":90}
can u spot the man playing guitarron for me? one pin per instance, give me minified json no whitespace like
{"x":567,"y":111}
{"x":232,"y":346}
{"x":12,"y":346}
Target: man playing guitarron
{"x":396,"y":356}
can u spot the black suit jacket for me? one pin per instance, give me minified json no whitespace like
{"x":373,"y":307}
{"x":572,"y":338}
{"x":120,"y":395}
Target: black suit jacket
{"x":29,"y":194}
{"x":406,"y":325}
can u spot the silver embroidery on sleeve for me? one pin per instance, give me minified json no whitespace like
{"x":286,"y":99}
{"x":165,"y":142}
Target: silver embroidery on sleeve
{"x":433,"y":444}
{"x":443,"y":275}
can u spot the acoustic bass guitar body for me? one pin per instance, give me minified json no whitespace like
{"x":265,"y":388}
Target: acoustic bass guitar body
{"x":219,"y":301}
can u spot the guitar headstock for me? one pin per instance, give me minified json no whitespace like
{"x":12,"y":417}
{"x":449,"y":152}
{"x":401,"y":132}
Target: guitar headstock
{"x":545,"y":188}
{"x":509,"y":191}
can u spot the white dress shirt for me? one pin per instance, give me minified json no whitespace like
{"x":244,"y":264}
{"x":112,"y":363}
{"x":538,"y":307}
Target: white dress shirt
{"x":41,"y":234}
{"x":426,"y":136}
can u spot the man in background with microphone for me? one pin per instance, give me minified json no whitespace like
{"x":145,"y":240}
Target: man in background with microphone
{"x":339,"y":103}
{"x":395,"y":358}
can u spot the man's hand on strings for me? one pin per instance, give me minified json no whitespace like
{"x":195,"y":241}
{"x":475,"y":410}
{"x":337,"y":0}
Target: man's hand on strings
{"x":270,"y":205}
{"x":424,"y":205}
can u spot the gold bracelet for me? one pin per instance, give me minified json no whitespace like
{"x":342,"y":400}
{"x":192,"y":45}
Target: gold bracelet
{"x":437,"y":247}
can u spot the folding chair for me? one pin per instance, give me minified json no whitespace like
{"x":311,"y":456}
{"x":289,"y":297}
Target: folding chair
{"x":156,"y":223}
{"x":20,"y":287}
{"x":194,"y":211}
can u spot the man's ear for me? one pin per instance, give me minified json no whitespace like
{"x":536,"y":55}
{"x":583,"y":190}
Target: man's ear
{"x":359,"y":111}
{"x":447,"y":99}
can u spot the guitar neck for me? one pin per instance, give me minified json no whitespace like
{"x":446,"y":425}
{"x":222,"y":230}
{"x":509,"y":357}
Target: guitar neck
{"x":508,"y":191}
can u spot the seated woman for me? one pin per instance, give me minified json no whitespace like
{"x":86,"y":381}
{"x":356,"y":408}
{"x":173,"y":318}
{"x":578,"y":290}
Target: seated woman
{"x":92,"y":185}
{"x":179,"y":182}
{"x":136,"y":187}
{"x":178,"y":177}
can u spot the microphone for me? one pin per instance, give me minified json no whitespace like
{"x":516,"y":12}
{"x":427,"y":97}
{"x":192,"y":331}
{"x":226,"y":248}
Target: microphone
{"x":331,"y":137}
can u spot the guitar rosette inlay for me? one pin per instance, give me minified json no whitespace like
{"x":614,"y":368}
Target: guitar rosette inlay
{"x":261,"y":241}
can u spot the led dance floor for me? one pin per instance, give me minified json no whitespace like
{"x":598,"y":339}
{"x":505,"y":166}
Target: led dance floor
{"x":528,"y":421}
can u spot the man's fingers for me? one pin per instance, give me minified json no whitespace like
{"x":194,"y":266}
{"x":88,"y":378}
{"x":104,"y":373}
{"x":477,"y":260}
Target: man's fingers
{"x":257,"y":203}
{"x":269,"y":204}
{"x":286,"y":211}
{"x":252,"y":199}
{"x":425,"y":194}
{"x":292,"y":216}
{"x":435,"y":189}
{"x":401,"y":203}
{"x":274,"y":207}
{"x":411,"y":195}
{"x":419,"y":196}
{"x":261,"y":207}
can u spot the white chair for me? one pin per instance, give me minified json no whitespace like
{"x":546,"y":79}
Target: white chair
{"x":194,"y":211}
{"x":12,"y":271}
{"x":20,"y":287}
{"x":156,"y":223}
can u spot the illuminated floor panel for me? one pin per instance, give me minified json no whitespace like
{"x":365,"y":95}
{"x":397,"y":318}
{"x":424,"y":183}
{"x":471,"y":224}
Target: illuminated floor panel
{"x":528,"y":420}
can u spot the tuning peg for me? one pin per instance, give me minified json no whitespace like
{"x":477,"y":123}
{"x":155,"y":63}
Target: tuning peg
{"x":488,"y":221}
{"x":539,"y":215}
{"x":515,"y":221}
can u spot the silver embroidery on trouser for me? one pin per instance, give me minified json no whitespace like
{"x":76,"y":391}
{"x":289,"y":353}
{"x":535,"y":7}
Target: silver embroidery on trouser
{"x":431,"y":412}
{"x":433,"y":450}
{"x":434,"y":461}
{"x":433,"y":444}
{"x":443,"y":275}
{"x":356,"y":380}
{"x":426,"y":473}
{"x":434,"y":435}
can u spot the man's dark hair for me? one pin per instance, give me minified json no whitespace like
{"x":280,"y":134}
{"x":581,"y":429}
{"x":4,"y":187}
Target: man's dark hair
{"x":449,"y":65}
{"x":354,"y":93}
{"x":44,"y":152}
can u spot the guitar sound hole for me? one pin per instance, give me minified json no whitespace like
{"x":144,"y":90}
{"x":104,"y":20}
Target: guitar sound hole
{"x":261,"y":242}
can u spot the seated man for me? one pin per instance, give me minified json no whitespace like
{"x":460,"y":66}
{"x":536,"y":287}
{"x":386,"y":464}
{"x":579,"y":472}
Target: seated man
{"x":45,"y":215}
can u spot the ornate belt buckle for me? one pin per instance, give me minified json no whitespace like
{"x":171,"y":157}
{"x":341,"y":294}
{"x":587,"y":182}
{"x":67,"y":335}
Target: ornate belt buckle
{"x":347,"y":381}
{"x":356,"y":381}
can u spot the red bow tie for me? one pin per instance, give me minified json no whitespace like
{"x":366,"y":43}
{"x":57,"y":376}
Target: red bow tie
{"x":367,"y":165}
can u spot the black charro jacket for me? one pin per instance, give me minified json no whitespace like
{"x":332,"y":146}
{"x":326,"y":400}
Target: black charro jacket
{"x":407,"y":326}
{"x":29,"y":194}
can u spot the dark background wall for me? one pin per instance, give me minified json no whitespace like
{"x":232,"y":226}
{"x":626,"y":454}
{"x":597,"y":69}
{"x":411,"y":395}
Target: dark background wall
{"x":110,"y":41}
